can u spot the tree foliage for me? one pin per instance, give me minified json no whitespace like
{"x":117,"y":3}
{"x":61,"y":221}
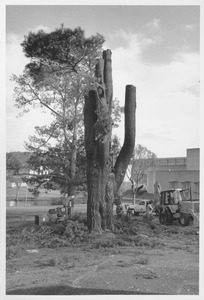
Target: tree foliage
{"x":16,"y":161}
{"x":61,"y":51}
{"x":13,"y":164}
{"x":60,"y":72}
{"x":17,"y":169}
{"x":52,"y":169}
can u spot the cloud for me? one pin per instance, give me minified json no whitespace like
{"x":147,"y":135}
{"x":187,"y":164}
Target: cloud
{"x":154,"y":24}
{"x":40,"y":27}
{"x":18,"y":129}
{"x":167,"y":117}
{"x":167,"y":96}
{"x":15,"y":58}
{"x":121,"y":39}
{"x":180,"y":73}
{"x":15,"y":63}
{"x":130,"y":40}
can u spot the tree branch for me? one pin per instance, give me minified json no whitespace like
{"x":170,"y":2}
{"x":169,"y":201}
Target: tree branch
{"x":44,"y":104}
{"x":45,"y":142}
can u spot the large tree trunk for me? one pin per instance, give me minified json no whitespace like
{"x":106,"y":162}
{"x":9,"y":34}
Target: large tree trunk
{"x":102,"y":182}
{"x":97,"y":142}
{"x":71,"y":188}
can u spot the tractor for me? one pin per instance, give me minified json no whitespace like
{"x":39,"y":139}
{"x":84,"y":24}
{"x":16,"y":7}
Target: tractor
{"x":176,"y":204}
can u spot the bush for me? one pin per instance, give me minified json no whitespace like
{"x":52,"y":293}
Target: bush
{"x":76,"y":231}
{"x":80,"y":217}
{"x":126,"y":224}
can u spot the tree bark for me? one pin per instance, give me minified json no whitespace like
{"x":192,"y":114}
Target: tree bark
{"x":71,"y":187}
{"x":102,"y":181}
{"x":96,"y":173}
{"x":98,"y":124}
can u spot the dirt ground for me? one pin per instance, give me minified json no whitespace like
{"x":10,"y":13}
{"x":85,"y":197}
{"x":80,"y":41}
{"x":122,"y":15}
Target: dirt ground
{"x":155,"y":260}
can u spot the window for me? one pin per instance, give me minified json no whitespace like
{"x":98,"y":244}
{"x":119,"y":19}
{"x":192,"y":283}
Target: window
{"x":180,"y":161}
{"x":171,"y":161}
{"x":196,"y":189}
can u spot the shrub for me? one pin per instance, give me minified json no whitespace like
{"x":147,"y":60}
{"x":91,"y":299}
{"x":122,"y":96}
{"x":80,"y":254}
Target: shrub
{"x":80,"y":217}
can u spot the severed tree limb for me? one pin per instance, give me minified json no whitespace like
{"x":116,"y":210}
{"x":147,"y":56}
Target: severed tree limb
{"x":127,"y":149}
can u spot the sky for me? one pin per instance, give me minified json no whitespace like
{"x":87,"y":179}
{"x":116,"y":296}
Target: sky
{"x":154,"y":47}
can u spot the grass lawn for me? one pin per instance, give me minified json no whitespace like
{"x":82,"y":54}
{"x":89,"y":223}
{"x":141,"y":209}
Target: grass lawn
{"x":44,"y":198}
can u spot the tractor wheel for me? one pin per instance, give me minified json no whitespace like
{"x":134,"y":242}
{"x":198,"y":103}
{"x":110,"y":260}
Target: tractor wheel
{"x":162,"y":218}
{"x":165,"y":217}
{"x":190,"y":220}
{"x":184,"y":220}
{"x":169,"y":217}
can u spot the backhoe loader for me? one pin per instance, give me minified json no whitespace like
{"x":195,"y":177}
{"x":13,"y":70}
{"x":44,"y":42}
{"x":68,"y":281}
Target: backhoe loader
{"x":176,"y":204}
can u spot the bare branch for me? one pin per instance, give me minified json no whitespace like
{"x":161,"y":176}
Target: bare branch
{"x":43,"y":103}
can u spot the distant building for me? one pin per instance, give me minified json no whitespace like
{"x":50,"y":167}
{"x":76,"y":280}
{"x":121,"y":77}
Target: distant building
{"x":13,"y":184}
{"x":40,"y":171}
{"x":176,"y":172}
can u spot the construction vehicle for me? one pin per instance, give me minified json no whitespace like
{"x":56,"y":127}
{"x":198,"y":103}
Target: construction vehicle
{"x":59,"y":214}
{"x":176,"y":204}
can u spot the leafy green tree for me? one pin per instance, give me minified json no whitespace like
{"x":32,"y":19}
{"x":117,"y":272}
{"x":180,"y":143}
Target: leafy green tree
{"x":52,"y":169}
{"x":16,"y":168}
{"x":13,"y":164}
{"x":63,"y":51}
{"x":60,"y":73}
{"x":62,"y":68}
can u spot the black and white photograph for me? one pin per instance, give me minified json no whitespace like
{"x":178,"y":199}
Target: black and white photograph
{"x":101,"y":148}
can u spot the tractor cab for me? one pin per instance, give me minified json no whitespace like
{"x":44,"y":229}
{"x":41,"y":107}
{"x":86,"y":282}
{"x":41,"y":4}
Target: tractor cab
{"x":174,"y":196}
